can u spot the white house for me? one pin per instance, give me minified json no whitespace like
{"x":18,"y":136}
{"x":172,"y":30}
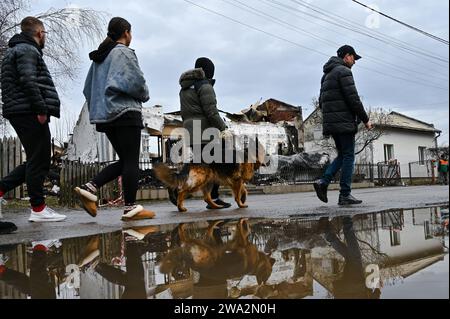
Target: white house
{"x":88,"y":145}
{"x":404,"y":139}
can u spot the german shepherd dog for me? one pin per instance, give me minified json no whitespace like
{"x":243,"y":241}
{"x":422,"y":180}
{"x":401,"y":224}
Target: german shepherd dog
{"x":202,"y":177}
{"x":218,"y":261}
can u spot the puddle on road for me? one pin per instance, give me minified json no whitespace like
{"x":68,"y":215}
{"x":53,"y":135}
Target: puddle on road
{"x":398,"y":254}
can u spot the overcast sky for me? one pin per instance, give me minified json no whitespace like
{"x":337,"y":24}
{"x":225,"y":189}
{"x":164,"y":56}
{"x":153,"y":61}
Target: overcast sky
{"x":170,"y":34}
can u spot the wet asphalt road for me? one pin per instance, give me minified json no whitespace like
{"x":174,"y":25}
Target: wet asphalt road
{"x":79,"y":224}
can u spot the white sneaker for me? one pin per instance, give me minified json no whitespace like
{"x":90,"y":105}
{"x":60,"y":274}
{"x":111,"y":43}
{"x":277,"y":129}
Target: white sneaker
{"x":3,"y":259}
{"x":54,"y":243}
{"x":46,"y":216}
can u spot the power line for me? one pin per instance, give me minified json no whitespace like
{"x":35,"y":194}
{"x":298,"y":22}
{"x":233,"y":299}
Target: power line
{"x":345,"y":25}
{"x":403,"y":23}
{"x":350,"y":25}
{"x":370,"y":32}
{"x":290,"y":10}
{"x":255,"y":28}
{"x":302,"y":46}
{"x":276,"y":20}
{"x":294,"y":28}
{"x":424,"y":105}
{"x":401,"y":78}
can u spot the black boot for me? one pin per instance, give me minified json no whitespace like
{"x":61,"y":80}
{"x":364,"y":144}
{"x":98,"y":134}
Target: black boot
{"x":348,"y":200}
{"x":173,"y":196}
{"x":321,"y":190}
{"x":220,"y":203}
{"x":7,"y":228}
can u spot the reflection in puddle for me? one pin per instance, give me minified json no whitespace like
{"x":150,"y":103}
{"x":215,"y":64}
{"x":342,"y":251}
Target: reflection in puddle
{"x":363,"y":256}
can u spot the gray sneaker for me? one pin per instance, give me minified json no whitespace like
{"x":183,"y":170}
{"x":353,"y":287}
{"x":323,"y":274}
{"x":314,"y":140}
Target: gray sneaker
{"x":348,"y":200}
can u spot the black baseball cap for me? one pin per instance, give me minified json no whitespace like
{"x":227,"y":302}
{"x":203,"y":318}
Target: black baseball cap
{"x":347,"y":49}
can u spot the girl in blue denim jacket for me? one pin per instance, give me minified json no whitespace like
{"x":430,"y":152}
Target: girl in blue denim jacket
{"x":115,"y":89}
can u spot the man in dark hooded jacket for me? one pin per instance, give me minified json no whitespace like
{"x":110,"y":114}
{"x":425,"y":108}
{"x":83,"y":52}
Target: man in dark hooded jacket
{"x":342,"y":111}
{"x":29,"y":100}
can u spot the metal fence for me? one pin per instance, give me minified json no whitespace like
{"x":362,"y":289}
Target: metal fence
{"x":423,"y":171}
{"x":76,"y":173}
{"x":388,"y":174}
{"x":381,"y":174}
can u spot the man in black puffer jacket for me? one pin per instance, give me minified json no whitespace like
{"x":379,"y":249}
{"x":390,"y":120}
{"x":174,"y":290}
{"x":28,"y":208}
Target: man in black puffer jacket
{"x":29,"y":100}
{"x":342,"y":112}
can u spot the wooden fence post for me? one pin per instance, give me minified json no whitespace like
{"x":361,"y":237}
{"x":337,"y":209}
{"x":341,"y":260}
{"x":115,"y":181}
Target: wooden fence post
{"x":10,"y":158}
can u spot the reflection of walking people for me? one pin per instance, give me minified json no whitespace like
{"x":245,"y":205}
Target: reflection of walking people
{"x":342,"y":110}
{"x":199,"y":107}
{"x":352,"y":283}
{"x":39,"y":284}
{"x":443,"y":170}
{"x":115,"y":89}
{"x":133,"y":279}
{"x":137,"y":242}
{"x":29,"y":100}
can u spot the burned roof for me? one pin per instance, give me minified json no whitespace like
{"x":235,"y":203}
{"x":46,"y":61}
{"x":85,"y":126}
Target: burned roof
{"x":271,"y":111}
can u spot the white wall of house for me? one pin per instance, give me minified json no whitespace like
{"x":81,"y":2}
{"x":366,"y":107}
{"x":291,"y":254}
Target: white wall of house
{"x":411,"y":242}
{"x":89,"y":146}
{"x":406,"y":145}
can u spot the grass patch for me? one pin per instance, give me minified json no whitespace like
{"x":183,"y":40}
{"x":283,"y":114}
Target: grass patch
{"x":24,"y":204}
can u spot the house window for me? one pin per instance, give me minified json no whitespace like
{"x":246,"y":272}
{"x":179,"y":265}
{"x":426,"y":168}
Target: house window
{"x":395,"y":237}
{"x":422,"y":151}
{"x":388,"y":152}
{"x":428,"y":230}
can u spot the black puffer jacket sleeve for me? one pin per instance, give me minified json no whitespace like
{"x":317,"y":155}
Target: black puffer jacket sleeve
{"x":351,"y":95}
{"x":209,"y":104}
{"x":321,"y":91}
{"x":27,"y":62}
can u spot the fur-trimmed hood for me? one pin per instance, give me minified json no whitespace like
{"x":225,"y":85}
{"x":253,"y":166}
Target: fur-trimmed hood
{"x":189,"y":78}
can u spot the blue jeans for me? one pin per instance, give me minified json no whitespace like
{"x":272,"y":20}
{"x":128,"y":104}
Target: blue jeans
{"x":345,"y":144}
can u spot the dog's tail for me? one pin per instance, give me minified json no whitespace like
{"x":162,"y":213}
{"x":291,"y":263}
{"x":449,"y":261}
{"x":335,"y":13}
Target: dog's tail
{"x":169,"y":177}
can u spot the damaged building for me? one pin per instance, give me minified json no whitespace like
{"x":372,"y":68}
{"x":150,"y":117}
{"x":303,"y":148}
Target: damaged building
{"x":278,"y":126}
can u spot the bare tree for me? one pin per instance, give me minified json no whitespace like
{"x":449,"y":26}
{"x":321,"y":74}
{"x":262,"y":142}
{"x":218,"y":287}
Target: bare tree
{"x":62,"y":129}
{"x":381,"y":119}
{"x":315,"y":102}
{"x":69,"y":29}
{"x":436,"y":153}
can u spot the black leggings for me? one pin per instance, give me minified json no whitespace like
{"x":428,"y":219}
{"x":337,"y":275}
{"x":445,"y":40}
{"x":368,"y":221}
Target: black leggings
{"x":126,"y":141}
